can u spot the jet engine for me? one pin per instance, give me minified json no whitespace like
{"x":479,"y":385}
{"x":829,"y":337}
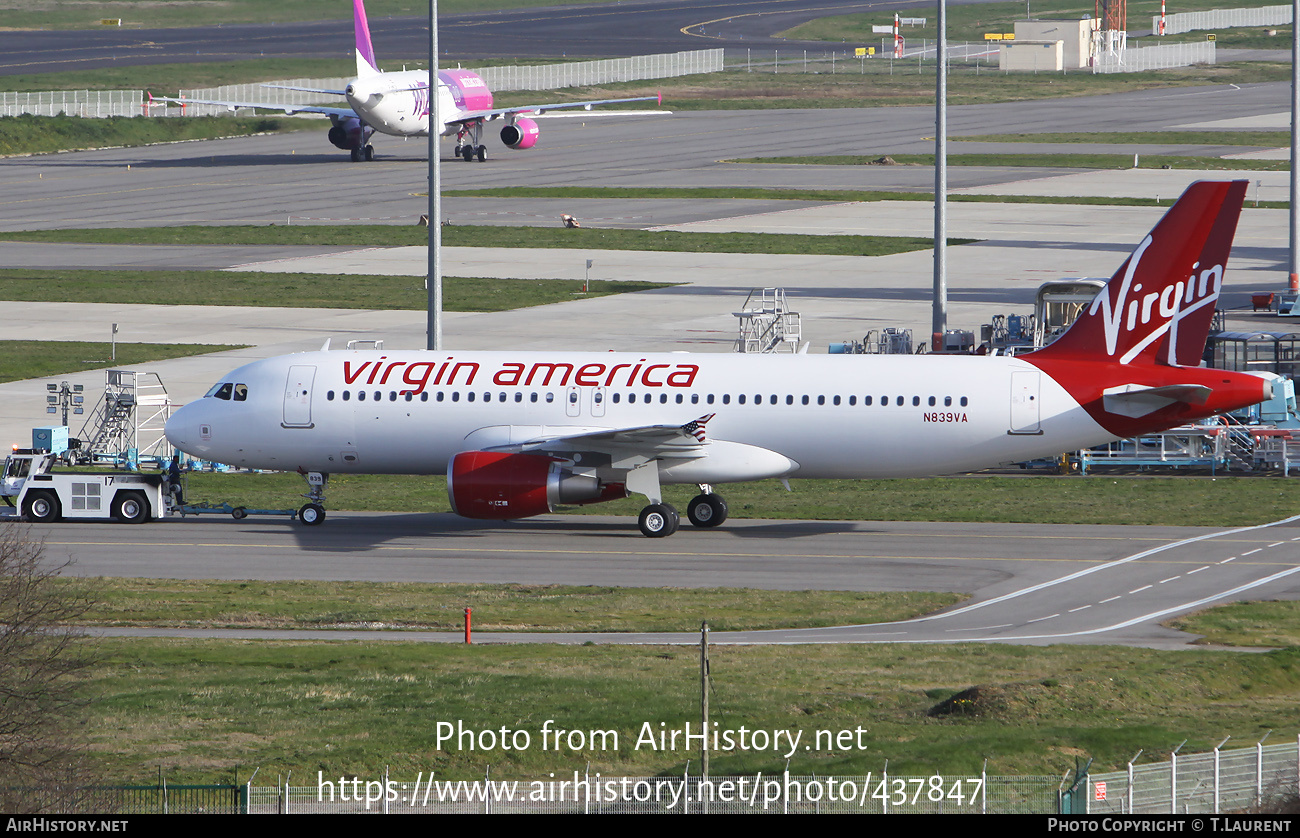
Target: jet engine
{"x":349,"y":133}
{"x":497,"y":485}
{"x":520,"y":134}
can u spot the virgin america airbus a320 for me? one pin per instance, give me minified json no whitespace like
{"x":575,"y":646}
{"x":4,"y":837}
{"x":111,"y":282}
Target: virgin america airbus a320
{"x":520,"y":433}
{"x":398,"y":104}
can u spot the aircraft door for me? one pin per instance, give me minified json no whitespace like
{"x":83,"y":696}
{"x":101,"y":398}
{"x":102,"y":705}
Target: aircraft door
{"x":598,"y":401}
{"x":297,"y":396}
{"x":1025,"y":400}
{"x":572,"y":401}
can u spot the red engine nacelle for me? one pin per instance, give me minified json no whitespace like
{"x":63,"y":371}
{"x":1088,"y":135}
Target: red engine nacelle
{"x":521,"y":134}
{"x":496,"y":485}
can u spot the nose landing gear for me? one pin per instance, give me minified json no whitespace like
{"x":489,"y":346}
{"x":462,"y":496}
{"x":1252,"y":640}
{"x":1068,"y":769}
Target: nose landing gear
{"x":312,"y":513}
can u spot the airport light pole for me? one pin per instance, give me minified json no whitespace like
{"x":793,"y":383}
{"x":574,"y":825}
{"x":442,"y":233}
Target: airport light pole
{"x":939,"y":316}
{"x":434,"y":282}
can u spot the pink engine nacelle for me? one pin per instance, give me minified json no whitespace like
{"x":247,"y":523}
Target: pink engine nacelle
{"x":497,"y":486}
{"x":521,"y":134}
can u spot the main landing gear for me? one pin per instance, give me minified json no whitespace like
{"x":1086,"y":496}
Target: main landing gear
{"x":469,"y":142}
{"x":367,"y":154}
{"x":705,"y":510}
{"x":469,"y":152}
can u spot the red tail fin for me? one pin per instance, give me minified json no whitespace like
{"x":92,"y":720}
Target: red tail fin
{"x":1158,"y":306}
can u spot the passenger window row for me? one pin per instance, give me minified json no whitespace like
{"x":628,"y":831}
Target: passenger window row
{"x":633,"y":398}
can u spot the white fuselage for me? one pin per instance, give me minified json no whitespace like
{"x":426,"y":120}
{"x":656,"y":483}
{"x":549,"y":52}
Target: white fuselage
{"x":398,"y":103}
{"x":407,"y":412}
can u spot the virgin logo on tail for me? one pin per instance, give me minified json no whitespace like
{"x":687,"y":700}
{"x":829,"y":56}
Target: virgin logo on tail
{"x":1160,"y":310}
{"x":1159,"y":305}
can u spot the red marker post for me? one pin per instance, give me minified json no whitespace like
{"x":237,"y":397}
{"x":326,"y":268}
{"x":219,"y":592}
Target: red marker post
{"x":468,"y":612}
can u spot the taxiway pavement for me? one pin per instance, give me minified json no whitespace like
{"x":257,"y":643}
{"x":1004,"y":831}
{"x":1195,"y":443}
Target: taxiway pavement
{"x":1029,"y":584}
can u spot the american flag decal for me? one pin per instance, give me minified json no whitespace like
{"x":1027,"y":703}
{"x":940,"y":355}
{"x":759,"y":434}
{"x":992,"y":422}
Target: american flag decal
{"x":696,"y":428}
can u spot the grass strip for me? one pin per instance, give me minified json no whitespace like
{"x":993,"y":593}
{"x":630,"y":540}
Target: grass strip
{"x":204,"y":710}
{"x":404,"y":605}
{"x":823,"y":195}
{"x":27,"y":134}
{"x":1066,"y":161}
{"x":1098,"y":499}
{"x":490,"y":236}
{"x":241,"y":288}
{"x":1254,"y":139}
{"x":24,"y":359}
{"x":1266,"y":624}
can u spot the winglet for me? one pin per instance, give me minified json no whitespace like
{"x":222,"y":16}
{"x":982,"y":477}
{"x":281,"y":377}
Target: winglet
{"x":366,"y":65}
{"x":695,"y":427}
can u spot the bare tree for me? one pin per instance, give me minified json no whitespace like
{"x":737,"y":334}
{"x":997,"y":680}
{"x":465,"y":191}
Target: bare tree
{"x":42,"y":755}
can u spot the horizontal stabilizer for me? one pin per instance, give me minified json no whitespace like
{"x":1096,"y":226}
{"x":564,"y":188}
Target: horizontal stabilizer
{"x":1138,"y":400}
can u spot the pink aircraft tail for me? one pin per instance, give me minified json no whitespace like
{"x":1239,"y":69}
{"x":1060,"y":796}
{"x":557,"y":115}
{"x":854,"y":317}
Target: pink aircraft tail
{"x":1158,"y":307}
{"x":366,"y":65}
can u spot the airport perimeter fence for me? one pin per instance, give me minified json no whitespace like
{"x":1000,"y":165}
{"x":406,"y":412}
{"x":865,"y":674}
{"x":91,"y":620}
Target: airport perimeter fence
{"x":597,"y":794}
{"x":1209,"y":783}
{"x":1162,"y":57}
{"x":920,"y":56}
{"x":271,"y":92}
{"x":923,"y":51}
{"x":1223,"y":19}
{"x":88,"y":103}
{"x":608,"y":71}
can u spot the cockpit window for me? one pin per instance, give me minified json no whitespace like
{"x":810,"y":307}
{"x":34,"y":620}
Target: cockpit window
{"x":241,"y":392}
{"x":221,"y":391}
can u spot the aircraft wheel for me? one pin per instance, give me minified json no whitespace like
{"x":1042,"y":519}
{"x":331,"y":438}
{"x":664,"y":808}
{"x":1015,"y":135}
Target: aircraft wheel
{"x":370,"y":153}
{"x":482,"y":153}
{"x":130,"y":508}
{"x":467,"y":153}
{"x":41,"y":508}
{"x":356,"y":155}
{"x":311,"y":514}
{"x":658,"y":520}
{"x":707,"y":510}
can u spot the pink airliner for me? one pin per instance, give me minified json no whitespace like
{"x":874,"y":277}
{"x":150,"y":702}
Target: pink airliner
{"x":398,"y":104}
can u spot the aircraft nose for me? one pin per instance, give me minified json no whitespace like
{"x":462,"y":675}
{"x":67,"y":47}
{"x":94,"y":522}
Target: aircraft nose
{"x":182,"y":428}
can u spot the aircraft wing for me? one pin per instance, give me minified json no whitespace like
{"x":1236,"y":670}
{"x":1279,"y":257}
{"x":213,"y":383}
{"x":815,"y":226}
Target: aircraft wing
{"x":540,"y":110}
{"x":288,"y":110}
{"x":306,"y":89}
{"x":646,"y":441}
